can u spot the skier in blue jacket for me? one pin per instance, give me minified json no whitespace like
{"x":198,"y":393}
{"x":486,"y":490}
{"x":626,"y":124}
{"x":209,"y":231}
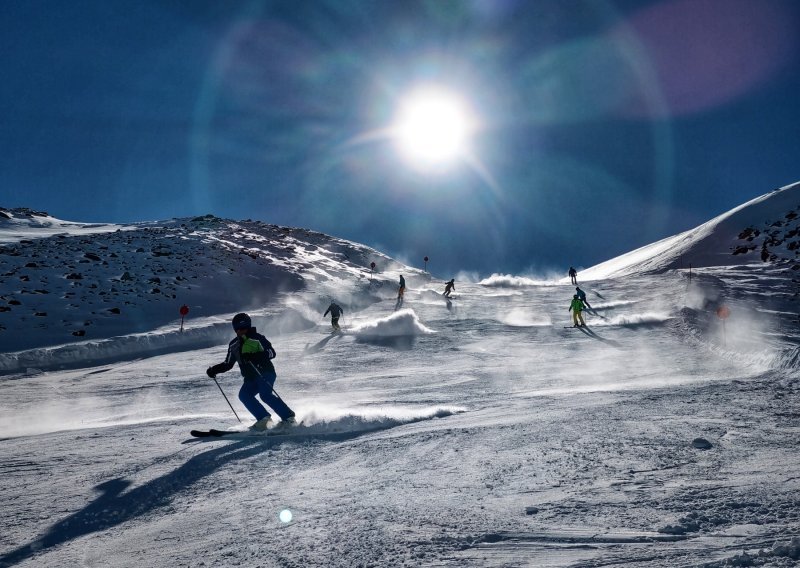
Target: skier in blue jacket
{"x":582,"y":295}
{"x":253,"y":352}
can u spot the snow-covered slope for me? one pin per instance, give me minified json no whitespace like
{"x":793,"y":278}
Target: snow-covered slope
{"x":768,"y":223}
{"x":472,"y":431}
{"x":72,"y":286}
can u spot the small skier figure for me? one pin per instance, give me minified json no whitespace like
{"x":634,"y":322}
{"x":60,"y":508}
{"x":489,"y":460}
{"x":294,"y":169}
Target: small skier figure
{"x":253,"y":352}
{"x":582,"y":295}
{"x":400,"y":292}
{"x":336,"y":311}
{"x":449,"y":287}
{"x":577,"y":308}
{"x":573,"y":275}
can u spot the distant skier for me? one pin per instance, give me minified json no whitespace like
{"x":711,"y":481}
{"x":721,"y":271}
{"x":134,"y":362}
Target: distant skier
{"x":577,"y":308}
{"x":449,"y":287}
{"x":582,"y":295}
{"x":400,"y":293}
{"x":253,"y":352}
{"x":573,"y":275}
{"x":336,"y":311}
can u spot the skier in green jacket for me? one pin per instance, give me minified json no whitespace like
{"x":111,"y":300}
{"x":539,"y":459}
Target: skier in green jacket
{"x":254,"y":353}
{"x":577,"y":308}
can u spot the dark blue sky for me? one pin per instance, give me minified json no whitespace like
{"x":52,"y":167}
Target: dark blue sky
{"x":604,"y":125}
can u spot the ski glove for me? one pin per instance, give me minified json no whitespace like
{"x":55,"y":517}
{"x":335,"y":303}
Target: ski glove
{"x":211,"y":374}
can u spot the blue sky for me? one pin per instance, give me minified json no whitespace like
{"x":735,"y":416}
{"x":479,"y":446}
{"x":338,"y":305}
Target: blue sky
{"x":601,"y":126}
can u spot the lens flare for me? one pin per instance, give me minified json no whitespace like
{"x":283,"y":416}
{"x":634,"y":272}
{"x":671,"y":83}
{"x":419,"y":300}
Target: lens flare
{"x":433,"y":127}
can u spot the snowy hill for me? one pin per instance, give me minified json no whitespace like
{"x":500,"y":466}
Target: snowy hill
{"x":73,"y":286}
{"x":472,"y":431}
{"x":769,"y":224}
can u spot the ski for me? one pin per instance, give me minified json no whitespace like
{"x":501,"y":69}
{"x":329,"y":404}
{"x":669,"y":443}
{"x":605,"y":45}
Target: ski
{"x":213,"y":433}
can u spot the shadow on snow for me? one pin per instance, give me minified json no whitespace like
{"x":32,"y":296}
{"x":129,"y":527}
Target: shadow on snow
{"x":115,"y":506}
{"x":594,"y":335}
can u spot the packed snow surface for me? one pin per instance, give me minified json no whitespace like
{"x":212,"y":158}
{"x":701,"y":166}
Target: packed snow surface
{"x":479,"y":430}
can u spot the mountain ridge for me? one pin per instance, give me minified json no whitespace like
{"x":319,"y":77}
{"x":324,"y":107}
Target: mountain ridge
{"x":725,"y":240}
{"x":67,"y":285}
{"x":63,"y":282}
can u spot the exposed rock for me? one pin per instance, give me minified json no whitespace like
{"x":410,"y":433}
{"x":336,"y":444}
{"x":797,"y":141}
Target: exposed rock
{"x":10,"y":251}
{"x":701,"y":444}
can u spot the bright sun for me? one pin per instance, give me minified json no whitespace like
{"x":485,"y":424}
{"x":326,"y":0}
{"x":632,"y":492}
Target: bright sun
{"x":432,"y":127}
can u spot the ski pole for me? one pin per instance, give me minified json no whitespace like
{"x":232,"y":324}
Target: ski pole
{"x":228,"y":401}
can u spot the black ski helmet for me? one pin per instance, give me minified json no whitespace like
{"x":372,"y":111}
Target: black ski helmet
{"x":241,"y":321}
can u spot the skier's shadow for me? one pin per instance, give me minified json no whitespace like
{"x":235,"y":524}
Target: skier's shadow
{"x":320,"y":344}
{"x":592,"y":334}
{"x":113,"y":506}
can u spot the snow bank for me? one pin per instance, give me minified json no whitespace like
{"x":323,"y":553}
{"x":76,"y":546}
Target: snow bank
{"x":519,"y":317}
{"x":633,"y":320}
{"x":324,"y":419}
{"x":430,"y":295}
{"x":616,"y":304}
{"x":88,"y":353}
{"x":510,"y":281}
{"x":157,"y":342}
{"x":401,"y":323}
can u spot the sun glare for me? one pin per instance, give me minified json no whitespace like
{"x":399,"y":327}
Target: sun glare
{"x":432,"y":127}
